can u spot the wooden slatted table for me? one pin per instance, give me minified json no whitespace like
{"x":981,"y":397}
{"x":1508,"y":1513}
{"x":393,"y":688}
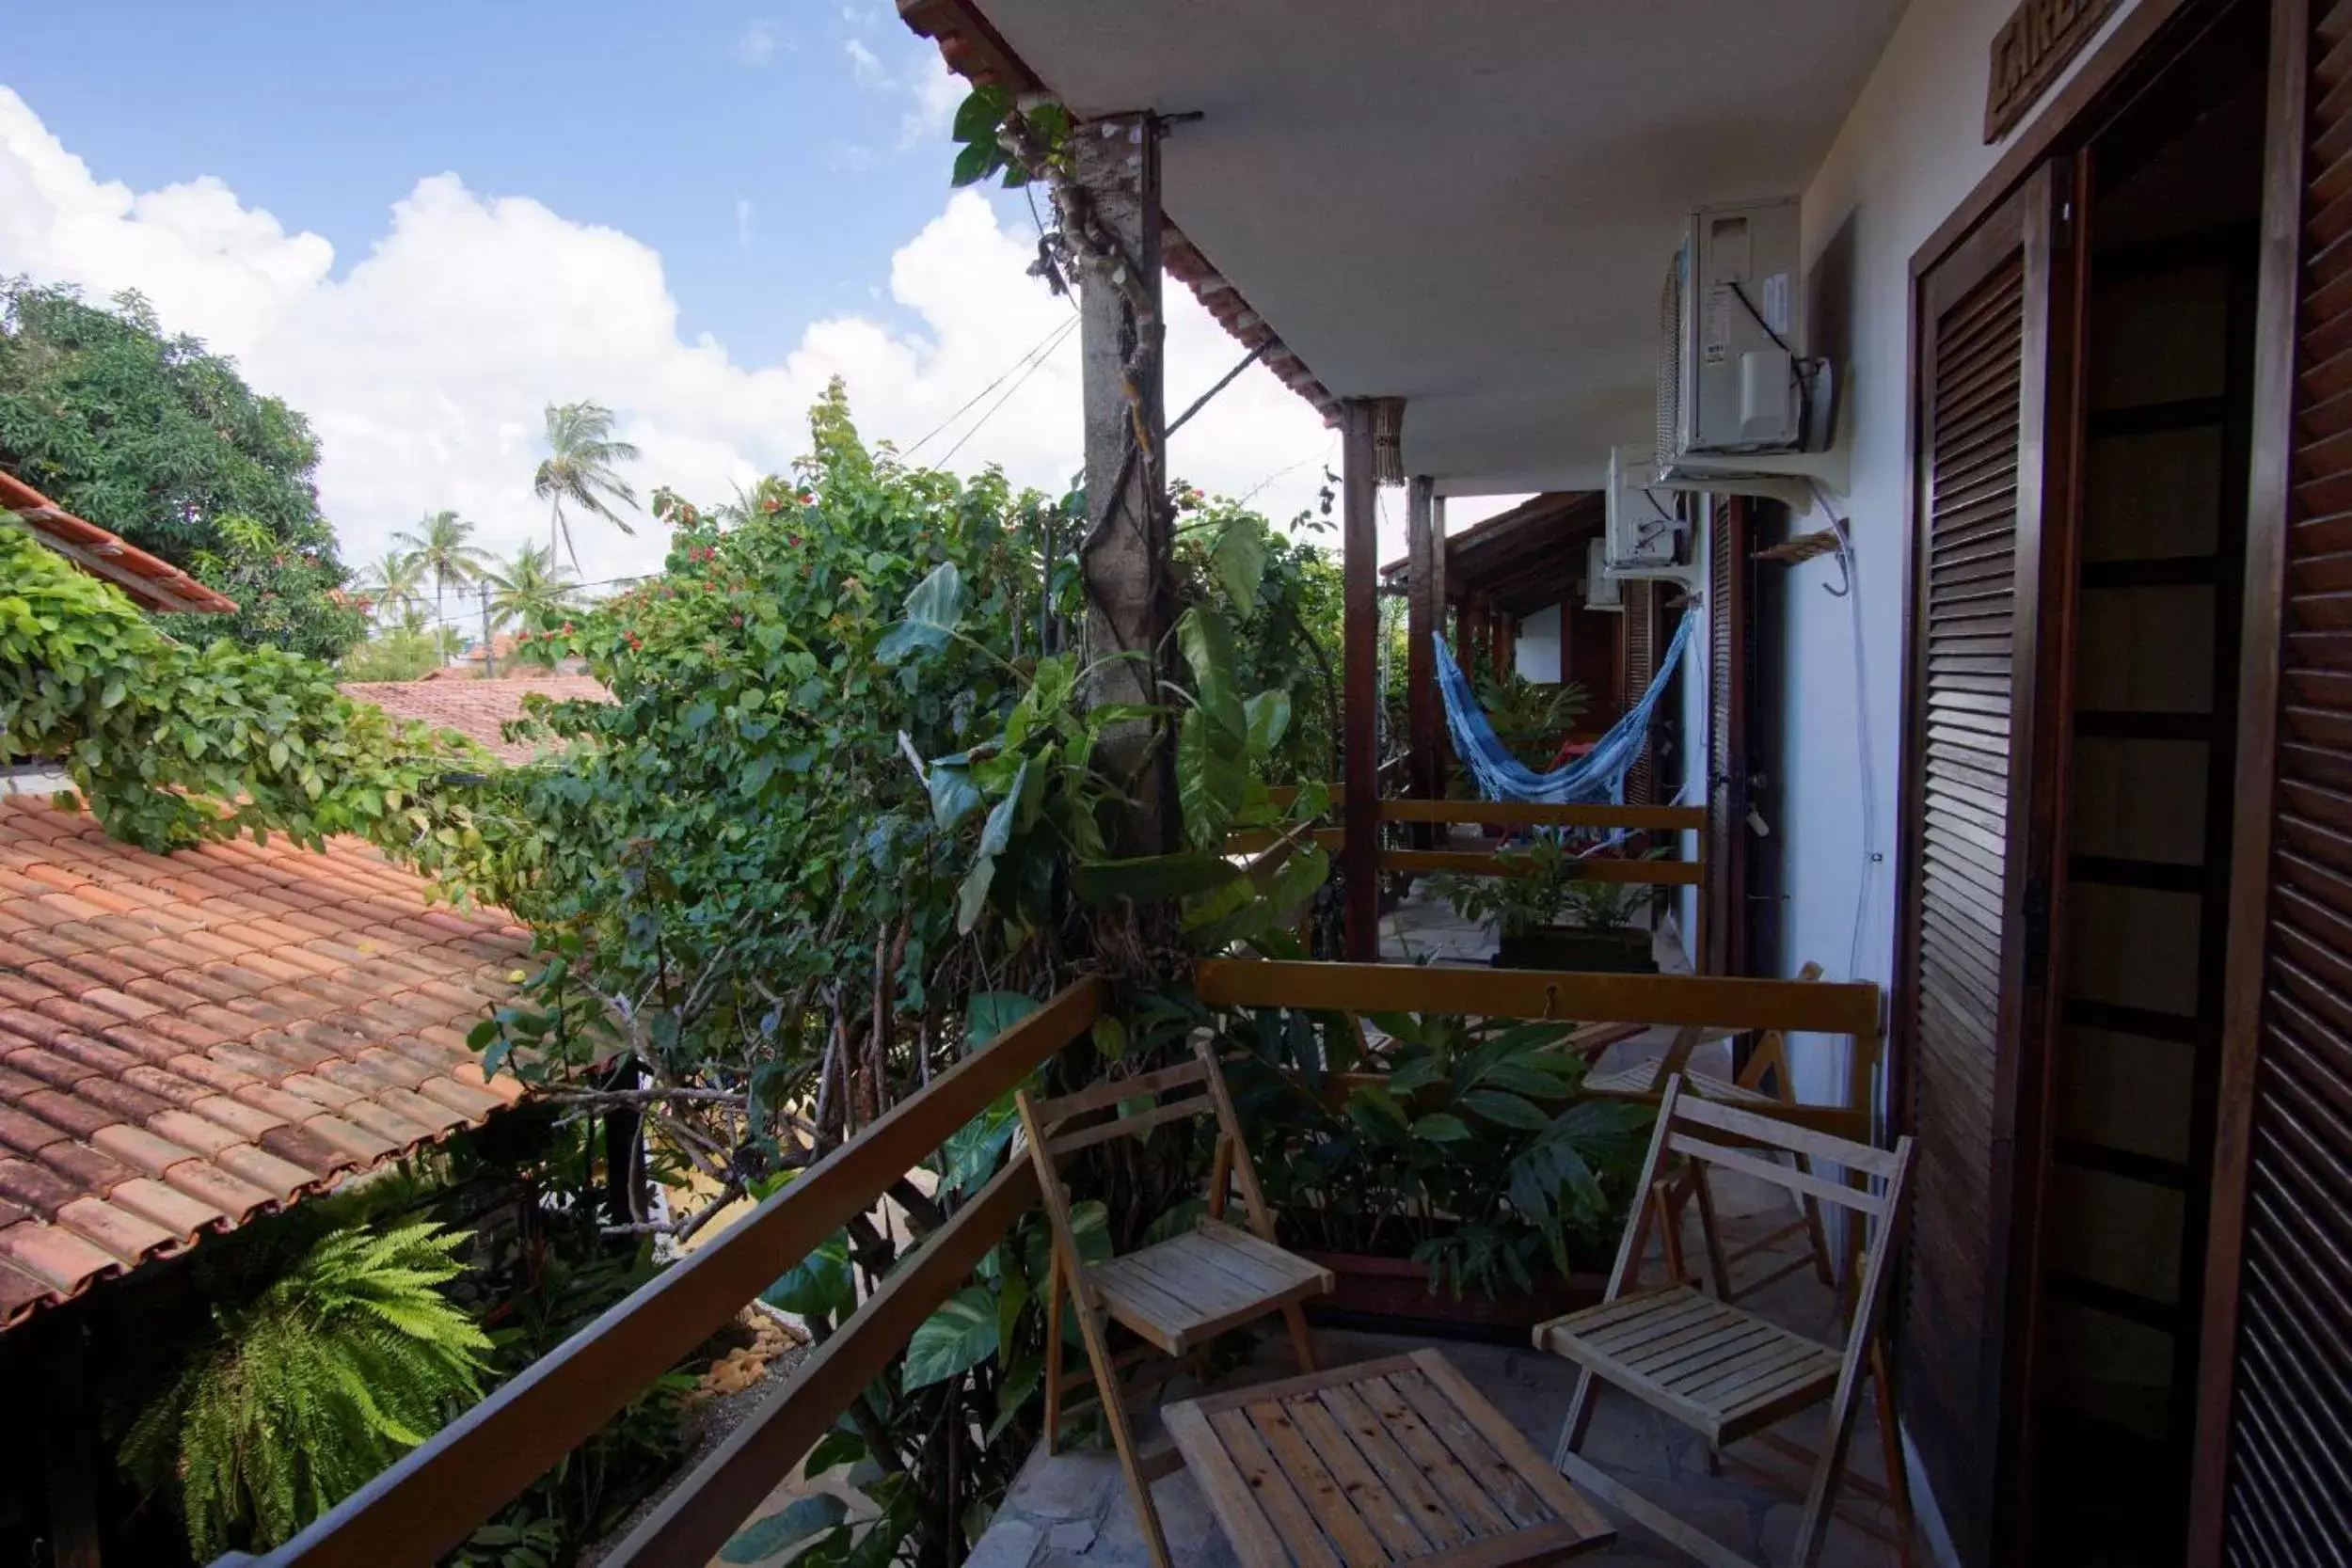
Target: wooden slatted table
{"x":1398,"y":1460}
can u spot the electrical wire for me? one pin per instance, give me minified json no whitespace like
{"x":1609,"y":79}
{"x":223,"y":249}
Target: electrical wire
{"x":1044,"y":346}
{"x":1035,"y":365}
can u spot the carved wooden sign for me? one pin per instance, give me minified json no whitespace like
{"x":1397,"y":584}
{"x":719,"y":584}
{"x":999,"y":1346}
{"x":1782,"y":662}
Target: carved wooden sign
{"x":2030,"y":50}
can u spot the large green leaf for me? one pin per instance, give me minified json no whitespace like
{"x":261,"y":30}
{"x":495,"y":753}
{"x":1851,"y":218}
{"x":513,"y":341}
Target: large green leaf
{"x":1269,"y":718}
{"x":797,"y":1521}
{"x":1207,"y":643}
{"x":998,"y":832}
{"x":1509,"y":1110}
{"x":1239,"y":558}
{"x":1212,"y":777}
{"x":956,"y":1339}
{"x":933,"y":610}
{"x":990,"y":1013}
{"x":819,"y":1285}
{"x":954,"y":795}
{"x":1150,"y":878}
{"x":972,"y":895}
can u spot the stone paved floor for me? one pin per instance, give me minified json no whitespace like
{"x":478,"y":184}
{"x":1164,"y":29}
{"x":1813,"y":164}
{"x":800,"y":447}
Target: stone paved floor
{"x":1071,"y":1511}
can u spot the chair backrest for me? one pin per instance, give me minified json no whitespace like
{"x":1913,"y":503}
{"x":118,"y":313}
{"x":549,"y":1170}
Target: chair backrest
{"x":1097,"y":1108}
{"x":1708,"y":1133}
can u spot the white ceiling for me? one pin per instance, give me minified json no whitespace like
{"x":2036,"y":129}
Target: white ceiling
{"x":1467,"y":203}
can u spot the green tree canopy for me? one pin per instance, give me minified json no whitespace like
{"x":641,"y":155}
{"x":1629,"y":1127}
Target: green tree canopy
{"x":160,"y":440}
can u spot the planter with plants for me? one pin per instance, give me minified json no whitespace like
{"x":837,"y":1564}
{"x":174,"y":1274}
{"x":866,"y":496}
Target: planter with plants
{"x":1550,"y":914}
{"x":1457,"y":1186}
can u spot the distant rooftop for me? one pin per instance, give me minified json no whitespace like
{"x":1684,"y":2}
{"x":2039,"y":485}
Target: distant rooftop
{"x":477,"y":709}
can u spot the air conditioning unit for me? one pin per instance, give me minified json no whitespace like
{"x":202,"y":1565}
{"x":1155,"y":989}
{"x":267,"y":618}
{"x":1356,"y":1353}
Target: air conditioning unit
{"x":1734,"y":376}
{"x":1647,"y":521}
{"x":1601,"y":588}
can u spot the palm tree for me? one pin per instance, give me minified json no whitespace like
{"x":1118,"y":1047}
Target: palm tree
{"x":439,"y":549}
{"x":530,"y":588}
{"x":579,"y":469}
{"x":392,"y":581}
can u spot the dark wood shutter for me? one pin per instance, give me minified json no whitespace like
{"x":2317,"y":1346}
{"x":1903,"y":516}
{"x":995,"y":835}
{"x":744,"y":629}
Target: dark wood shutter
{"x":2274,"y":1471}
{"x":1727,"y":652}
{"x":1639,"y":664}
{"x":1985,"y":336}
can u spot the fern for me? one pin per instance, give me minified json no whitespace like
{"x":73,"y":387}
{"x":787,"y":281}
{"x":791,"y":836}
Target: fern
{"x":343,"y":1363}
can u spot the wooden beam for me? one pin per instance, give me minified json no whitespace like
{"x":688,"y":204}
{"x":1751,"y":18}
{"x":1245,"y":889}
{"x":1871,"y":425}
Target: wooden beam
{"x":1361,"y":698}
{"x":1124,"y":552}
{"x":1423,"y":711}
{"x":430,"y":1501}
{"x":1824,"y":1006}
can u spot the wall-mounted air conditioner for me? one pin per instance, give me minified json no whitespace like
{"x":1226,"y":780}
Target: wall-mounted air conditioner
{"x":1601,"y":588}
{"x":1734,"y":378}
{"x":1647,"y":521}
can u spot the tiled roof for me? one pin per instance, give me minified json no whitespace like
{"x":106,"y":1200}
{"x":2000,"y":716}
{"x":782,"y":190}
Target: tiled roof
{"x":478,"y":709}
{"x":187,"y":1041}
{"x":152,"y":583}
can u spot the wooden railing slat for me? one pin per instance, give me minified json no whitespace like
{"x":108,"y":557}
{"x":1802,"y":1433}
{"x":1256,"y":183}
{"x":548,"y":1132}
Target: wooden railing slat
{"x":435,"y":1496}
{"x":1821,"y":1006}
{"x":1531,"y":814}
{"x":1472,"y":863}
{"x":720,"y":1495}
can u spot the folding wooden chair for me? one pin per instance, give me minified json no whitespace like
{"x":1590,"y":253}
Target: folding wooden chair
{"x":1724,"y":1371}
{"x":1673,"y":1191}
{"x":1175,"y":1295}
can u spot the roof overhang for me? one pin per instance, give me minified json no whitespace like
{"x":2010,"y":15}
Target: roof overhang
{"x":1469,"y":207}
{"x":1521,"y":560}
{"x":152,"y":582}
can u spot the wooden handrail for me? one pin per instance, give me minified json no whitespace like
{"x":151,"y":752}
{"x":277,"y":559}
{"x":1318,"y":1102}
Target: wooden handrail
{"x":1531,"y":813}
{"x":712,"y":1503}
{"x":1820,"y":1005}
{"x":1472,"y":862}
{"x":430,"y":1501}
{"x":1520,"y":814}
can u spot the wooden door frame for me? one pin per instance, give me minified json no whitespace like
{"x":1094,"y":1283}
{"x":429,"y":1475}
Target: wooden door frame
{"x":2262,"y":617}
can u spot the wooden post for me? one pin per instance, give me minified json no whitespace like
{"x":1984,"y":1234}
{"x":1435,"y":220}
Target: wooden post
{"x":1124,"y":554}
{"x":1420,"y":662}
{"x":1360,"y":716}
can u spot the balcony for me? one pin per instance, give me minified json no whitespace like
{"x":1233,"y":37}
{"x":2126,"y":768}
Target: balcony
{"x":428,"y":1503}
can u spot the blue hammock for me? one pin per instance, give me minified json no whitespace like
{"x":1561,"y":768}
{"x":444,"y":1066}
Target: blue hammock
{"x":1597,"y":779}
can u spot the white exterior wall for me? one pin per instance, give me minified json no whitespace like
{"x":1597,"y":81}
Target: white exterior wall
{"x":1537,"y":652}
{"x":1910,"y":151}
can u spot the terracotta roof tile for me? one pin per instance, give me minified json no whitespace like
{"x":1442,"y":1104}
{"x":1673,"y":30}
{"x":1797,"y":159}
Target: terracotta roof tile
{"x":186,"y":1040}
{"x":151,"y":582}
{"x":478,"y":709}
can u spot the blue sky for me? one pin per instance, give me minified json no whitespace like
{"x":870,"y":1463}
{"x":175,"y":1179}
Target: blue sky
{"x":421,"y":223}
{"x":656,"y":120}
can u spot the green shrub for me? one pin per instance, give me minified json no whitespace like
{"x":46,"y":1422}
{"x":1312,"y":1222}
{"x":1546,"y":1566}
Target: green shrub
{"x":348,"y":1360}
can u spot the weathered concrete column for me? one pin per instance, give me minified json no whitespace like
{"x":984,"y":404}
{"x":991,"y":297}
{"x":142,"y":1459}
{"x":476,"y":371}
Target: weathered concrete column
{"x":1124,"y":556}
{"x":1422,"y":606}
{"x":1361,"y":688}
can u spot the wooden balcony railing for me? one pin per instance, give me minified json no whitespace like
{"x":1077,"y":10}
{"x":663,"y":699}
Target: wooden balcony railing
{"x":427,"y":1504}
{"x":438,"y":1494}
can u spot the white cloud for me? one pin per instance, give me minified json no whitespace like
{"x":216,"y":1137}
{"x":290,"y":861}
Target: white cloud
{"x":426,"y":366}
{"x":757,"y":43}
{"x":744,"y":216}
{"x":865,"y":64}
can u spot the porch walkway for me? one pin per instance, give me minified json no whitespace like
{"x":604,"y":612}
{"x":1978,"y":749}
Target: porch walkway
{"x":1071,"y":1511}
{"x":1423,"y":928}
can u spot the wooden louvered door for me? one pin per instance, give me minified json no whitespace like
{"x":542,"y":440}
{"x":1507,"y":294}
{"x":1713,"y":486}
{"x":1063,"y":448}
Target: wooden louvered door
{"x":1724,"y":936}
{"x":2274,"y":1472}
{"x":1975,"y":904}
